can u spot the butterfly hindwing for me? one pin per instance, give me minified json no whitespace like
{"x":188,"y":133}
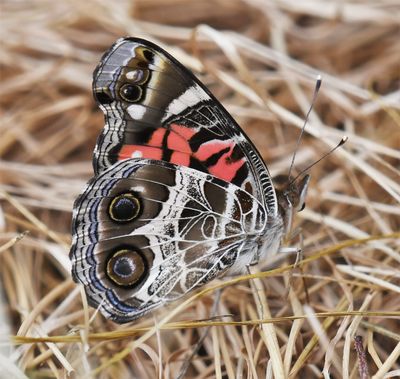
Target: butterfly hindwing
{"x":155,"y":108}
{"x":146,"y":232}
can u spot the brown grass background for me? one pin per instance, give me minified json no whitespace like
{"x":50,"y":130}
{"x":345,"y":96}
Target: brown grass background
{"x":334,"y":315}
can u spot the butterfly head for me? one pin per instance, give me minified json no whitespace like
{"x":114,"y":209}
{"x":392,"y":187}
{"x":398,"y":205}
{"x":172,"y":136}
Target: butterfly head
{"x":291,"y":197}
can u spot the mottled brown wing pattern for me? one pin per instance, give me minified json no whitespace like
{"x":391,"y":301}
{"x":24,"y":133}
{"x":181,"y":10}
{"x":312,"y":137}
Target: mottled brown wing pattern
{"x":146,"y":232}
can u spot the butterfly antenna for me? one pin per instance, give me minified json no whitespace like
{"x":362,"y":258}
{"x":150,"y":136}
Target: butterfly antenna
{"x":342,"y":142}
{"x":316,"y":90}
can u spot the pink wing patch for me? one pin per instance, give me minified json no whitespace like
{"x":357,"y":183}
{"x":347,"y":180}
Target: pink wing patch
{"x":182,"y":159}
{"x":225,"y":168}
{"x":178,"y":142}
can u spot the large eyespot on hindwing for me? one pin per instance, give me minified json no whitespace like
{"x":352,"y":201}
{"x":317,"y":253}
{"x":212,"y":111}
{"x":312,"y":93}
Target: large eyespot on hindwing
{"x":124,"y":208}
{"x":127,"y":267}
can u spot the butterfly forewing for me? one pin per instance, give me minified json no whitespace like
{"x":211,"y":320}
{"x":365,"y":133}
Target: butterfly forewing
{"x":155,"y":108}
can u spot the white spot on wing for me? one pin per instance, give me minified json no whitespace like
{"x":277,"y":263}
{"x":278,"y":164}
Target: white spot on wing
{"x":189,"y":98}
{"x":137,"y":154}
{"x":139,"y":189}
{"x":135,"y":75}
{"x":136,"y":111}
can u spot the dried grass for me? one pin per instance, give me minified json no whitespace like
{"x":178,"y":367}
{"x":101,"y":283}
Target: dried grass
{"x":261,"y":59}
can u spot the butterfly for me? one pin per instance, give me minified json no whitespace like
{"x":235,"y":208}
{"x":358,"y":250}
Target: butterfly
{"x":180,"y":195}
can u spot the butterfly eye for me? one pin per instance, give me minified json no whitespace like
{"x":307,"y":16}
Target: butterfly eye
{"x":124,"y":208}
{"x":130,"y":93}
{"x":126,"y":267}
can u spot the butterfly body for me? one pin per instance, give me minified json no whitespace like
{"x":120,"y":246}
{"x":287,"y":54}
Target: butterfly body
{"x":180,"y":195}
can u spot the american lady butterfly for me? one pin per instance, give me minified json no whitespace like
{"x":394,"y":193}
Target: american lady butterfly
{"x":179,"y":196}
